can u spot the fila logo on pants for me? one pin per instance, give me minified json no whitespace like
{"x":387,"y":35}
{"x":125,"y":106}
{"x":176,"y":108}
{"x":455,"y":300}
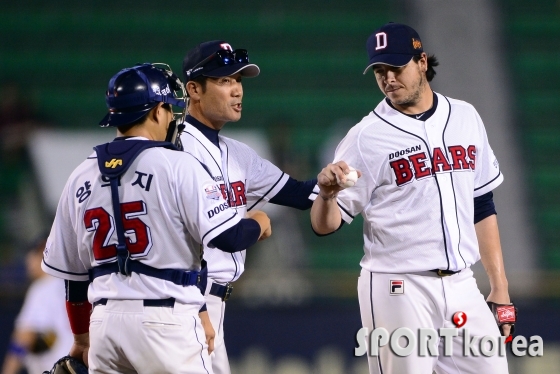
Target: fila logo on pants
{"x":397,"y":287}
{"x":420,"y":165}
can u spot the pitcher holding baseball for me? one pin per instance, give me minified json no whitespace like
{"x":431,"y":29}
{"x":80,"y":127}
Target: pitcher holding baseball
{"x":426,"y":198}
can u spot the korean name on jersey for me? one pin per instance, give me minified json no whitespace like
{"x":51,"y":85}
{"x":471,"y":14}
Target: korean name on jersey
{"x":169,"y":205}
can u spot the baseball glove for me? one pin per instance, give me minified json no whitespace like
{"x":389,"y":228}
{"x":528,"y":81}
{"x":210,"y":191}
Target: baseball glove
{"x":68,"y":365}
{"x":504,"y":314}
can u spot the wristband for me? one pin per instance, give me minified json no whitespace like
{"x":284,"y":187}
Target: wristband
{"x":17,"y":350}
{"x":78,"y":316}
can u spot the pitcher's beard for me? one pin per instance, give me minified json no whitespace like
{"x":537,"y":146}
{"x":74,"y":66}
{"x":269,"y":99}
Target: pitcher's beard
{"x":414,"y":97}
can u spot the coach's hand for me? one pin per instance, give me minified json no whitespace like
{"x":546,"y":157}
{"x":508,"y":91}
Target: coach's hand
{"x":263,"y":221}
{"x":208,"y":330}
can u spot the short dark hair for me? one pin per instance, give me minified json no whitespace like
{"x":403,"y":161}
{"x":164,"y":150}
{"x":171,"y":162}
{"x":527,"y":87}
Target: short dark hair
{"x":201,"y":79}
{"x":128,"y":126}
{"x":432,"y":62}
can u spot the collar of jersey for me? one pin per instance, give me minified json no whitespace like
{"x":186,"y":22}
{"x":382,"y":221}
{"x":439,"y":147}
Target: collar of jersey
{"x":130,"y":138}
{"x":209,"y":133}
{"x":424,"y":115}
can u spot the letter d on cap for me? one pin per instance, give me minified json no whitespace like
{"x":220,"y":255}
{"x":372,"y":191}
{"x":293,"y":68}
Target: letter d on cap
{"x":381,"y":40}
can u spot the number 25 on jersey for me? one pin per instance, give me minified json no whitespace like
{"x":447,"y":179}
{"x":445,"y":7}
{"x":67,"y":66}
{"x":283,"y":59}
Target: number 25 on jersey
{"x":139,"y":239}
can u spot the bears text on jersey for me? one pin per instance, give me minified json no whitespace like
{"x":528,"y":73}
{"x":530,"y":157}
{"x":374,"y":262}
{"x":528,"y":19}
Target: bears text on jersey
{"x":237,"y":196}
{"x":420,"y":165}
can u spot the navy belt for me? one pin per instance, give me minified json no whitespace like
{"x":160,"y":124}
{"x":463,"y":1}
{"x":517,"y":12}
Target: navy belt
{"x":149,"y":302}
{"x":445,"y":273}
{"x":179,"y":277}
{"x":223,"y":292}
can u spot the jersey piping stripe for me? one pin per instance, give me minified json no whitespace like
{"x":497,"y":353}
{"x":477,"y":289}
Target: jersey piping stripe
{"x":343,"y":209}
{"x":202,"y":347}
{"x":458,"y":226}
{"x":201,"y":164}
{"x":453,"y":185}
{"x":267,"y":192}
{"x":210,"y":153}
{"x":214,"y":228}
{"x":236,"y":267}
{"x":484,"y":185}
{"x":62,"y":271}
{"x":372,"y":317}
{"x":437,"y":183}
{"x":228,"y":189}
{"x":227,"y":194}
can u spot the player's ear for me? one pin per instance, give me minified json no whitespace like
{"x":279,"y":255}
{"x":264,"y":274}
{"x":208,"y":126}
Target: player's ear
{"x":194,"y":89}
{"x":423,"y":62}
{"x":158,"y":113}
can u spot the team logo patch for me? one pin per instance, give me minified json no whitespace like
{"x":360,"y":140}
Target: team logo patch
{"x":161,"y":91}
{"x":212,"y":191}
{"x":416,"y":44}
{"x":113,"y":163}
{"x":226,"y":46}
{"x":397,"y":287}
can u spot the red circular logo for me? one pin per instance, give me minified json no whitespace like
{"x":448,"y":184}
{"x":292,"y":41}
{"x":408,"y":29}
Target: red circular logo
{"x":459,"y":319}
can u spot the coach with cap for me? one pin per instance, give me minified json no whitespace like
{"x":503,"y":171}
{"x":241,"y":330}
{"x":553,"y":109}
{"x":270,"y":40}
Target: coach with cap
{"x":213,"y":73}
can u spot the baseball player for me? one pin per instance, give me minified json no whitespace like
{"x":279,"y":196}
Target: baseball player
{"x":128,"y":233}
{"x":427,"y":170}
{"x":41,"y":332}
{"x":213,"y":73}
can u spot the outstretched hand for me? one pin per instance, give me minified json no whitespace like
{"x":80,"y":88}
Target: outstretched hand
{"x":263,"y":221}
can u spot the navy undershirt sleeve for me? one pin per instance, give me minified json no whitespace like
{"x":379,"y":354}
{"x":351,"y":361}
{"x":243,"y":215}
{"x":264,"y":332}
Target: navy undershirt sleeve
{"x":484,"y":206}
{"x":76,"y":291}
{"x":295,"y":194}
{"x":239,"y":237}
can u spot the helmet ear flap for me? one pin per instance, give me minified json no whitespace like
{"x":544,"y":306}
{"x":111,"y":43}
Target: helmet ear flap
{"x":173,"y":134}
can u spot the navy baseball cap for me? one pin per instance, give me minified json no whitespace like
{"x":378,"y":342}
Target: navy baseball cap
{"x":133,"y":92}
{"x":217,"y":59}
{"x":393,"y":44}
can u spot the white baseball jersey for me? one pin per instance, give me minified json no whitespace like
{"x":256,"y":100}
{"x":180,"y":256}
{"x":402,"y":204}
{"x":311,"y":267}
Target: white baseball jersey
{"x":44,"y":311}
{"x":419,"y":179}
{"x":170,"y":207}
{"x":251,"y":181}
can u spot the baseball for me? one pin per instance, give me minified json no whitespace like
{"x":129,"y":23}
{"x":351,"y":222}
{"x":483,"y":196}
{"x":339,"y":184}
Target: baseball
{"x":351,"y":178}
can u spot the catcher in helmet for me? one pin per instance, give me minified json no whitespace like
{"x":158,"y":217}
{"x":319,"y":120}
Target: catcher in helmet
{"x":128,"y":234}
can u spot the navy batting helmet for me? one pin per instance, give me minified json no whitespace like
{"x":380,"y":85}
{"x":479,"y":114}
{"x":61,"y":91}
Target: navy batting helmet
{"x":133,"y":92}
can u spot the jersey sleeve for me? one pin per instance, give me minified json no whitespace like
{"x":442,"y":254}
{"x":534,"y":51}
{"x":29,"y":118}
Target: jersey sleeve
{"x":487,"y":169}
{"x":352,"y":201}
{"x":204,"y":210}
{"x":264,"y":179}
{"x":61,"y":257}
